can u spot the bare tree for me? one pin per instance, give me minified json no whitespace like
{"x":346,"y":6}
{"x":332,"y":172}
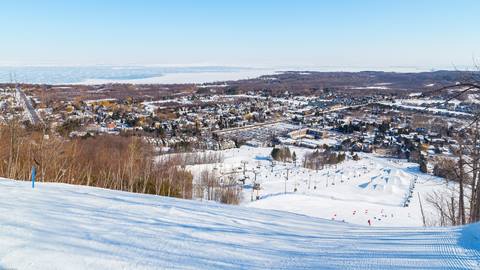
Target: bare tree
{"x":466,"y":170}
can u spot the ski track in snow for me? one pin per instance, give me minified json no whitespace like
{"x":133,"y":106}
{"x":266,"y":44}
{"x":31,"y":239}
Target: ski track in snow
{"x":59,"y":226}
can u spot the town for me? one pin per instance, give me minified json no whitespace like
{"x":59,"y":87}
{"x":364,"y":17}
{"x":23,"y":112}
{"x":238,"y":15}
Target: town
{"x":206,"y":120}
{"x":419,"y":125}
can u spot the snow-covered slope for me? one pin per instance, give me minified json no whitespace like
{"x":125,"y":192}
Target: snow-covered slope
{"x":373,"y":188}
{"x":58,"y":226}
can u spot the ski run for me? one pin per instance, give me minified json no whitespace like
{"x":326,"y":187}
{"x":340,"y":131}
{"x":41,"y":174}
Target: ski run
{"x":60,"y":226}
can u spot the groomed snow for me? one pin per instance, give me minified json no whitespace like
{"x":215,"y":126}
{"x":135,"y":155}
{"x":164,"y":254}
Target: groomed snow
{"x":58,"y":226}
{"x":373,"y":188}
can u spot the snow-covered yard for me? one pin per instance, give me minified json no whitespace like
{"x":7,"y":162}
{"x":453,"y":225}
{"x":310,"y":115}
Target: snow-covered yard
{"x":58,"y":226}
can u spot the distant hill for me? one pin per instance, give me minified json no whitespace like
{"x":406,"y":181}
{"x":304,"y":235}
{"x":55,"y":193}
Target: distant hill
{"x":306,"y":82}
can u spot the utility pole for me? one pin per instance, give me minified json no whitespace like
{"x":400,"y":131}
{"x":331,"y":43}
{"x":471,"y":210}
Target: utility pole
{"x":295,"y":185}
{"x":421,"y":209}
{"x":286,"y":179}
{"x":251,"y":194}
{"x":255,"y":186}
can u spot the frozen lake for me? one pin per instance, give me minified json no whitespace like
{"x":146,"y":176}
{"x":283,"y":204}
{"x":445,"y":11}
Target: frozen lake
{"x":128,"y":74}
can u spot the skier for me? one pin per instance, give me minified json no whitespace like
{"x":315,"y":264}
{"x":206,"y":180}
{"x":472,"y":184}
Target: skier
{"x":369,"y":223}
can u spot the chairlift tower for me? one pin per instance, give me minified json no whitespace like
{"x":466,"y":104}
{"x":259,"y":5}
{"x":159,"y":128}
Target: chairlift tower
{"x":286,"y":179}
{"x":255,"y":186}
{"x":244,"y":166}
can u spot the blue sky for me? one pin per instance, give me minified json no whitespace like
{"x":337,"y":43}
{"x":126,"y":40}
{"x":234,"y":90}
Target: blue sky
{"x":385,"y":33}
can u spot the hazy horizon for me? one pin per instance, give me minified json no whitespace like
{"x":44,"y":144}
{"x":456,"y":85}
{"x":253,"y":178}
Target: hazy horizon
{"x":160,"y":74}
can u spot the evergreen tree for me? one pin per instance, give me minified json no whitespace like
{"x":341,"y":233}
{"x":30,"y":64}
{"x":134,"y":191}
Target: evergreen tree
{"x":423,"y":164}
{"x":275,"y":154}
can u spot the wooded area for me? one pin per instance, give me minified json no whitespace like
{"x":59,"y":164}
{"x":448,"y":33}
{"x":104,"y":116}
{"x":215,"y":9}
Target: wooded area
{"x":114,"y":162}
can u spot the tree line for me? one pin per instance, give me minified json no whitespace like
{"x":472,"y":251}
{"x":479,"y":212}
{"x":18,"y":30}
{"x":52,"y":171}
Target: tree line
{"x":114,"y":162}
{"x":462,"y":204}
{"x":283,"y":154}
{"x":215,"y":187}
{"x":317,"y":160}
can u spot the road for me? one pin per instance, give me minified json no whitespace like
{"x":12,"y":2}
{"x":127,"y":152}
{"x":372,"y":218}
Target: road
{"x":28,"y":107}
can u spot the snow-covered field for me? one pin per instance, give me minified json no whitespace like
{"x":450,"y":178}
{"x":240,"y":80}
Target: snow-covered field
{"x":373,"y":188}
{"x":58,"y":226}
{"x":427,"y":109}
